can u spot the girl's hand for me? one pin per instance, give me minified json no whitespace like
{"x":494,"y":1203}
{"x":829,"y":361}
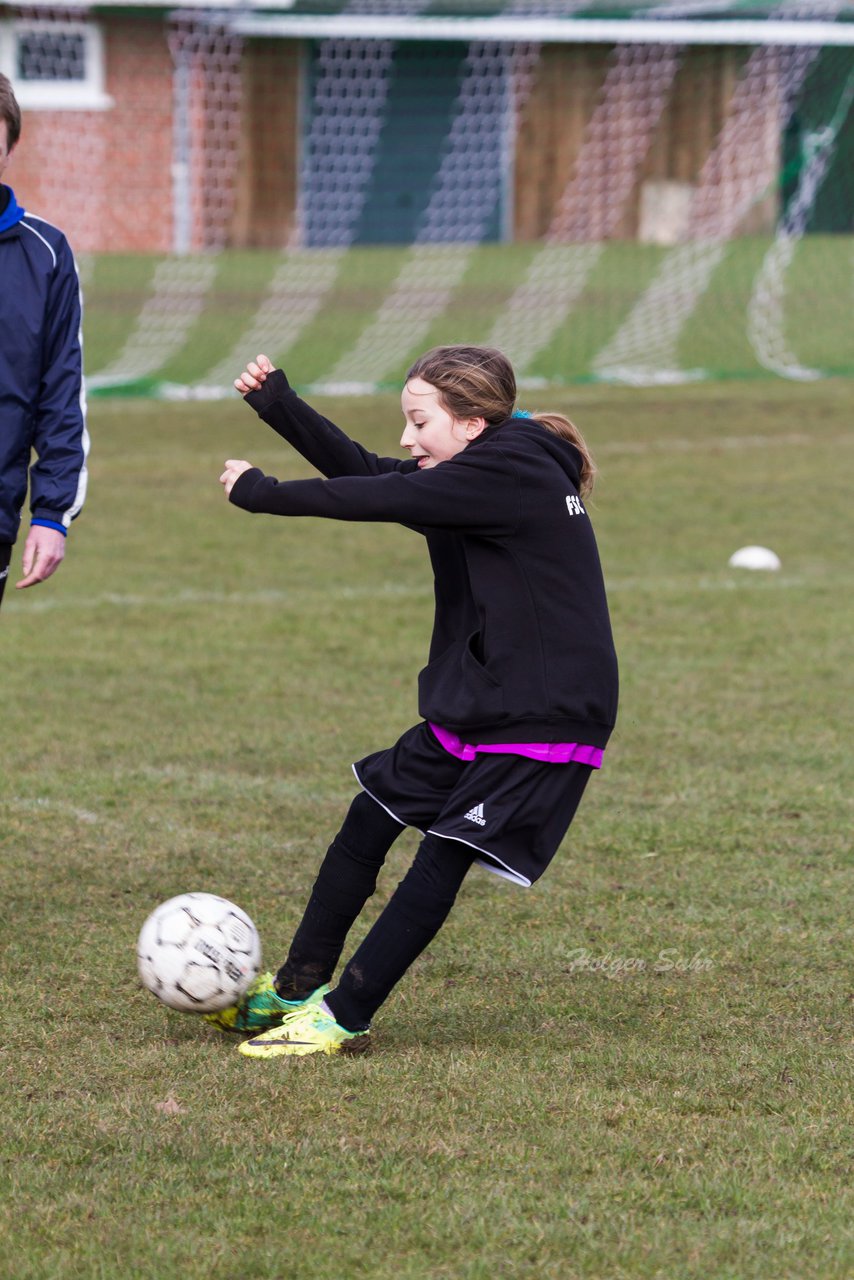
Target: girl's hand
{"x":234,"y":468}
{"x":254,"y":375}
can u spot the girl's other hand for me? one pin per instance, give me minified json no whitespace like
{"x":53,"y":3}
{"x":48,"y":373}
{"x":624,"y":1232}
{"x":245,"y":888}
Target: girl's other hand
{"x":254,"y":375}
{"x":234,"y":468}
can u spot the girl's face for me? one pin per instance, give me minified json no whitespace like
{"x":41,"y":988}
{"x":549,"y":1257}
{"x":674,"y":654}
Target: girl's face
{"x":432,"y":434}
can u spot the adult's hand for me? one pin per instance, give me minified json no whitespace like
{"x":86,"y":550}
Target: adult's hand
{"x":43,"y":553}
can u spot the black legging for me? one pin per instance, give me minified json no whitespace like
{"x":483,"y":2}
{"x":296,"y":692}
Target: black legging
{"x":413,"y":916}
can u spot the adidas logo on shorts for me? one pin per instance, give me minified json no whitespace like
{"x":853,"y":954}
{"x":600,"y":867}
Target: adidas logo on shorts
{"x":476,"y":815}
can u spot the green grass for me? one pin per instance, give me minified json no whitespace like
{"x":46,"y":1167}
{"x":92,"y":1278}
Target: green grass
{"x":635,"y":1071}
{"x":816,"y":302}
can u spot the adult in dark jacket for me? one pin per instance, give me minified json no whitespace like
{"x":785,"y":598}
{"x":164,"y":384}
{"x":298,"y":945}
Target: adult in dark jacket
{"x":42,"y":401}
{"x":519,"y":695}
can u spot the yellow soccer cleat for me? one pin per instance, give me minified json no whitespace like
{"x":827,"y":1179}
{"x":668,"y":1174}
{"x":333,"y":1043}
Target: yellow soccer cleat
{"x":308,"y":1030}
{"x":261,"y":1007}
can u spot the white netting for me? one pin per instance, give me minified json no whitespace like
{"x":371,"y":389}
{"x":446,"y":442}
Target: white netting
{"x":767,"y":309}
{"x":739,"y":170}
{"x":207,"y":94}
{"x":348,"y":101}
{"x":49,"y":47}
{"x":495,"y":77}
{"x":615,"y":145}
{"x":660,"y":205}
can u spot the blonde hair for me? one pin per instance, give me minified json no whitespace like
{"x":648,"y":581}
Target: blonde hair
{"x":479,"y":382}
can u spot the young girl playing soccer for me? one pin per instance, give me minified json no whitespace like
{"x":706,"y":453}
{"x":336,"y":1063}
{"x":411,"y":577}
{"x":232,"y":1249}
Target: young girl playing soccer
{"x":518,"y":698}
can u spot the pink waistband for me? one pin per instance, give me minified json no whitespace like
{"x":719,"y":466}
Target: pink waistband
{"x":548,"y":752}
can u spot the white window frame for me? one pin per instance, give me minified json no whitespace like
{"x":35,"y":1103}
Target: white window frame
{"x":87,"y":94}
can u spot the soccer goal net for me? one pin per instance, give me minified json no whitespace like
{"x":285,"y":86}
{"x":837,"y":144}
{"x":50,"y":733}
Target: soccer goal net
{"x":648,"y":196}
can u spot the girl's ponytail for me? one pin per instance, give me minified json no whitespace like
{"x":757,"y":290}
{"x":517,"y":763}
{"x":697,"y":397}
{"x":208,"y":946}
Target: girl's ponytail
{"x":561,"y":426}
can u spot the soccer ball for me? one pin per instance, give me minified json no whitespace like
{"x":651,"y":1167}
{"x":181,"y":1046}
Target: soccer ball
{"x":198,"y":953}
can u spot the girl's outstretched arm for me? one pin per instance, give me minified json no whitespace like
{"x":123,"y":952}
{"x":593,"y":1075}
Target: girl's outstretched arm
{"x":480,"y":493}
{"x":320,"y":441}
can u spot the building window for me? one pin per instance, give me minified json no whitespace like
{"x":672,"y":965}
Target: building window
{"x":54,"y":65}
{"x":50,"y":55}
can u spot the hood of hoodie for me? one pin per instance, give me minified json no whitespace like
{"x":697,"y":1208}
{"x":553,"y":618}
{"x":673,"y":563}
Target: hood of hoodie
{"x":563,"y":451}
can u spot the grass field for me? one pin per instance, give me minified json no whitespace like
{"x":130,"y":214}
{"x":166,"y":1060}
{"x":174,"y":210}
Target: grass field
{"x":636,"y":1071}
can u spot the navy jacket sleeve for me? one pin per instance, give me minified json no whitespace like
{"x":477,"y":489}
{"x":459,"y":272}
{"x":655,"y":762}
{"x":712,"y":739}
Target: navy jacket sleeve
{"x":319,"y":441}
{"x":479,"y":493}
{"x":58,"y":477}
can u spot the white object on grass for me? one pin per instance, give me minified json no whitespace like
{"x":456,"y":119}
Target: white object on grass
{"x":754,"y":558}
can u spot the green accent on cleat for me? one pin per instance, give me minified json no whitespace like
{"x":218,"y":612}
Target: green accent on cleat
{"x":261,"y":1007}
{"x":308,"y":1030}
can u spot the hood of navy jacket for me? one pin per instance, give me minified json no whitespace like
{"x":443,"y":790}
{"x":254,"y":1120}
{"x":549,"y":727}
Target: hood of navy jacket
{"x":13,"y":213}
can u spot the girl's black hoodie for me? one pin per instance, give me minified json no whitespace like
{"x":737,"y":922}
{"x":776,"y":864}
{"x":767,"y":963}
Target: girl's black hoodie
{"x":522,"y":649}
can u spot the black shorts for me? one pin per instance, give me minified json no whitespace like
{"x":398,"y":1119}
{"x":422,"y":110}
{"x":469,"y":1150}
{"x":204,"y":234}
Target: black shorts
{"x":512,"y":810}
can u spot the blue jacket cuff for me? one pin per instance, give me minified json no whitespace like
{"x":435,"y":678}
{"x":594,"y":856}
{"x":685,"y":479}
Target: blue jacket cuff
{"x":50,"y":524}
